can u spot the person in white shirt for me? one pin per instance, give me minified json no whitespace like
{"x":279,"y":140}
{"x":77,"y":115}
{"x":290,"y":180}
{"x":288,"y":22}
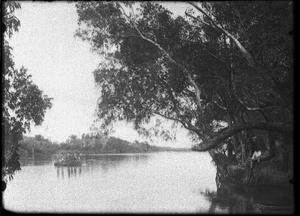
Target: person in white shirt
{"x":256,"y":155}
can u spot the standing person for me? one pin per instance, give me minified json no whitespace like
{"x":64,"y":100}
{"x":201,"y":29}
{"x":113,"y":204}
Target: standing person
{"x":256,"y":152}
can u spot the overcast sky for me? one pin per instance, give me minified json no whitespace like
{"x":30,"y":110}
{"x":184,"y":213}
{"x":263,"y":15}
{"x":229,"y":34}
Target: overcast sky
{"x":61,"y":65}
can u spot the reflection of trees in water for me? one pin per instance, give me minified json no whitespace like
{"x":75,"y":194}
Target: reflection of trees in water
{"x":233,"y":199}
{"x":272,"y":195}
{"x":114,"y":161}
{"x":35,"y":160}
{"x":105,"y":163}
{"x":242,"y":199}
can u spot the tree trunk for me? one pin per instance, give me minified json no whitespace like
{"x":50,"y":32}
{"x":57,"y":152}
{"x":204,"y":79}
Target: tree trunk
{"x":230,"y":148}
{"x":285,"y":159}
{"x":234,"y":138}
{"x":272,"y":144}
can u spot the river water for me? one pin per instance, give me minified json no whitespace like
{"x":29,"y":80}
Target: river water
{"x":161,"y":182}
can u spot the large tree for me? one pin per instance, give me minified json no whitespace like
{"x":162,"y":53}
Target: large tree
{"x":23,"y":102}
{"x":224,"y":62}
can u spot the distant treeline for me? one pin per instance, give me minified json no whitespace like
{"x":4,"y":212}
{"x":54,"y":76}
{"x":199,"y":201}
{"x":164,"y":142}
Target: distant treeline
{"x":88,"y":143}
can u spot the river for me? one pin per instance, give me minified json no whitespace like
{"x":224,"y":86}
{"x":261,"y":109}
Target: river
{"x":161,"y":182}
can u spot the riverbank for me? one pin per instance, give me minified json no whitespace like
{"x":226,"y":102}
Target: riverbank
{"x":266,"y":172}
{"x":36,"y":146}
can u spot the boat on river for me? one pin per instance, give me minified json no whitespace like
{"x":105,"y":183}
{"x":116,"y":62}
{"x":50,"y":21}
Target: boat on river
{"x":67,"y":158}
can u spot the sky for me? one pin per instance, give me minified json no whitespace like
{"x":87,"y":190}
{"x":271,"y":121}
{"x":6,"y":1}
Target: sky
{"x":62,"y":65}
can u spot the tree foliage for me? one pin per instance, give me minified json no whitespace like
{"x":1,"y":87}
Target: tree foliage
{"x":39,"y":144}
{"x":223,"y":62}
{"x":23,"y":102}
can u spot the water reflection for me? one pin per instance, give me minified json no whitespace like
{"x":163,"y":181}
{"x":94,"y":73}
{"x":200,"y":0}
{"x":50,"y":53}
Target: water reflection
{"x":273,"y":199}
{"x":158,"y":182}
{"x":96,"y":163}
{"x":109,"y":162}
{"x":72,"y":172}
{"x":35,"y":160}
{"x":238,"y":199}
{"x":230,"y":199}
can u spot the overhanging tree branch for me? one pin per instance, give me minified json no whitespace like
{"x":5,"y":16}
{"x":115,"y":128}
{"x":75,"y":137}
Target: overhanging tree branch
{"x":228,"y":132}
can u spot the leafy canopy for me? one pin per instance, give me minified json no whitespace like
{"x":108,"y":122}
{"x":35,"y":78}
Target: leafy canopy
{"x":23,"y":102}
{"x":223,"y":62}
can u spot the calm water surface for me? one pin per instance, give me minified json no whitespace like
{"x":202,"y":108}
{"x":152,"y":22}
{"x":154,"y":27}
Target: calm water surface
{"x":182,"y":182}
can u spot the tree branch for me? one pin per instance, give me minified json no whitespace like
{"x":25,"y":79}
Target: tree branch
{"x":186,"y":125}
{"x":245,"y":53}
{"x":228,"y":132}
{"x":224,"y":108}
{"x":191,"y":80}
